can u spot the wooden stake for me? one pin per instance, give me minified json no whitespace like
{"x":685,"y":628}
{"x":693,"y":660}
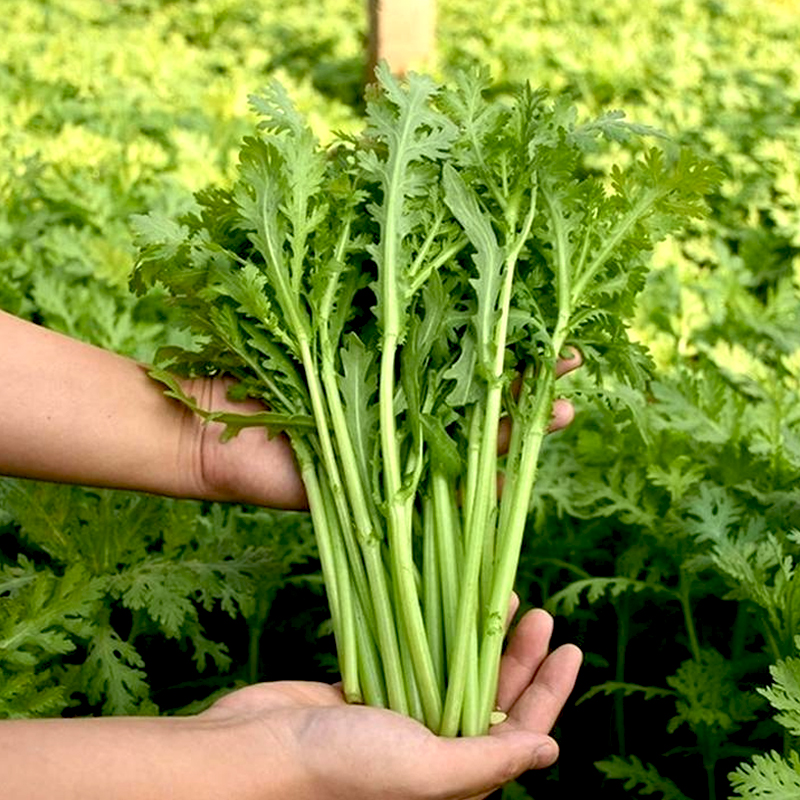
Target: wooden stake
{"x":402,"y":33}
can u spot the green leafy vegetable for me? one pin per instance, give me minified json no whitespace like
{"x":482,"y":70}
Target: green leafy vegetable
{"x":642,"y":778}
{"x":392,"y":288}
{"x":772,"y":775}
{"x":112,"y":573}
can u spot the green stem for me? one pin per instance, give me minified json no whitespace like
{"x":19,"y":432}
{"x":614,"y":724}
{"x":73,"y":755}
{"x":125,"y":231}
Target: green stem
{"x":399,"y":518}
{"x":517,"y":498}
{"x":432,"y":592}
{"x":684,"y":592}
{"x":611,"y":241}
{"x":473,"y":456}
{"x":337,"y":584}
{"x":448,"y":556}
{"x":370,"y":542}
{"x":340,"y":502}
{"x":370,"y":669}
{"x":772,"y":641}
{"x":256,"y":624}
{"x":394,"y":304}
{"x":477,"y":513}
{"x":471,"y":712}
{"x":710,"y":764}
{"x":367,"y":524}
{"x":361,"y":649}
{"x":480,"y":510}
{"x":415,"y":709}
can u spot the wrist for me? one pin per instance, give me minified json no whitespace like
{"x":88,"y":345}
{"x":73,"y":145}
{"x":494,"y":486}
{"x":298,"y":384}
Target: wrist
{"x":256,"y":751}
{"x":195,"y":443}
{"x":129,"y":758}
{"x":255,"y":466}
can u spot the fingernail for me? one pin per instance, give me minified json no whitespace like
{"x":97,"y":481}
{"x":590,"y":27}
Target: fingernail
{"x":545,"y":754}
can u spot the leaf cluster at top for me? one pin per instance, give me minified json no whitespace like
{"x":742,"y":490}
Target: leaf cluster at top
{"x":439,"y":189}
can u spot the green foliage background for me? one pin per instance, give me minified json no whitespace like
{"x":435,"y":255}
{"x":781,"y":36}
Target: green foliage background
{"x":665,"y":528}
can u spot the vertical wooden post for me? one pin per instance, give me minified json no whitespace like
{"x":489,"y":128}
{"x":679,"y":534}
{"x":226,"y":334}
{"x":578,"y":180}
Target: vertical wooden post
{"x":402,"y":33}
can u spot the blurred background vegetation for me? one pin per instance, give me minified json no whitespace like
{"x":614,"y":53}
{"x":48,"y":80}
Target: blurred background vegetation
{"x":664,"y":534}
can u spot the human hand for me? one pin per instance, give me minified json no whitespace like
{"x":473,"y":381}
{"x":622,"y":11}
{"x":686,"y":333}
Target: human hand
{"x":255,"y":468}
{"x":326,"y":749}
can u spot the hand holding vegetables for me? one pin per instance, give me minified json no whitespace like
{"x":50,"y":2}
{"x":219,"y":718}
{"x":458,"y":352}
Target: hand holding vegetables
{"x":380,"y":298}
{"x":75,"y":413}
{"x":251,"y":468}
{"x":296,"y":740}
{"x":355,"y":751}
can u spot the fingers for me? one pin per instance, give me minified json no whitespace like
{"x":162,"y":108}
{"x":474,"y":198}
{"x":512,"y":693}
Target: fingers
{"x":474,"y":766}
{"x":527,"y":649}
{"x":563,"y":414}
{"x":563,"y":411}
{"x":570,"y":361}
{"x":513,"y":607}
{"x":538,"y":707}
{"x":503,"y":435}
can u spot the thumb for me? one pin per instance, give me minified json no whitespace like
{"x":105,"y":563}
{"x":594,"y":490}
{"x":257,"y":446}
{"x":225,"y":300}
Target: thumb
{"x":473,"y":766}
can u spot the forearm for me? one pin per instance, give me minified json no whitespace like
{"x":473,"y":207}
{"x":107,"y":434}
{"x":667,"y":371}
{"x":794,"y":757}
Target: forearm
{"x":124,"y":758}
{"x":76,"y":413}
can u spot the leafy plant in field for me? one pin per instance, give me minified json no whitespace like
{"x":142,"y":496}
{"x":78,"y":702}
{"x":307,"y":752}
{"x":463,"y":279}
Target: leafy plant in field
{"x":141,"y":126}
{"x":380,"y":300}
{"x":775,"y":775}
{"x":102,"y":576}
{"x":702,"y":501}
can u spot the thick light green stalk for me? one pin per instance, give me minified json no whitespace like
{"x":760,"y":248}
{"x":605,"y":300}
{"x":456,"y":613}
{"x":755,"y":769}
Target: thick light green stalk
{"x":530,"y":429}
{"x":473,"y":454}
{"x":416,"y":711}
{"x":369,"y":669}
{"x":447,"y":532}
{"x":477,"y":526}
{"x":478,"y":520}
{"x":337,"y":584}
{"x":373,"y":685}
{"x":516,"y":498}
{"x":432,"y":592}
{"x":370,"y":541}
{"x":398,"y":505}
{"x":340,"y":509}
{"x":367,"y":532}
{"x":359,"y":608}
{"x":477,"y":515}
{"x":399,"y":518}
{"x":522,"y":469}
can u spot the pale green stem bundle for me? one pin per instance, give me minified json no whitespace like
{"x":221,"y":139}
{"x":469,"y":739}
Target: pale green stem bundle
{"x":381,"y":298}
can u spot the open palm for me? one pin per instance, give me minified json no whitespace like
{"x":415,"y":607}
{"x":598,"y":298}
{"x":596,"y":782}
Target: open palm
{"x":350,"y":751}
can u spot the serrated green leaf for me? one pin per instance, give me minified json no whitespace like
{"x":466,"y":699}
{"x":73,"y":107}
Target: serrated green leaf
{"x":768,"y":777}
{"x":595,"y":589}
{"x":644,"y":779}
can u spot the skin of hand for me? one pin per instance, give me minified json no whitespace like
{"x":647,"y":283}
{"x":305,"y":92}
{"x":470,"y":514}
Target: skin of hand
{"x":76,"y":413}
{"x":298,"y":740}
{"x":235,"y":470}
{"x":354,"y":751}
